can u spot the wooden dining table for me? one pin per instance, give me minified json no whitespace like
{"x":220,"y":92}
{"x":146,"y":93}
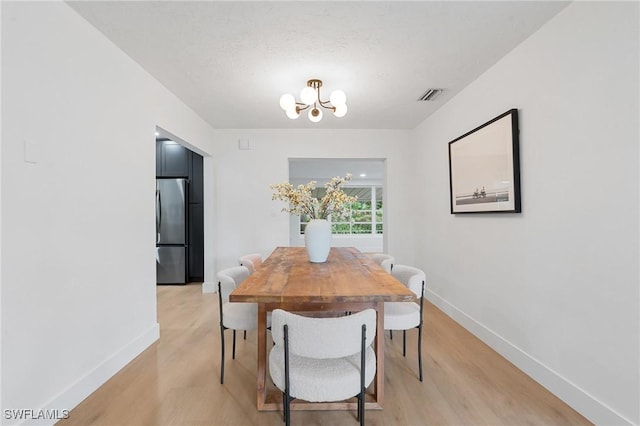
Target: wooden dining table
{"x":349,"y":281}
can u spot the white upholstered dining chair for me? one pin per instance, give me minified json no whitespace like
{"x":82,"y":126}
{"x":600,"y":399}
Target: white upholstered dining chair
{"x":251,"y":261}
{"x":322,"y":359}
{"x":384,"y":260}
{"x":234,"y":315}
{"x":407,"y":315}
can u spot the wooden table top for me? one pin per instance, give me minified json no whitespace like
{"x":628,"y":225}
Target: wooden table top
{"x":348,"y":275}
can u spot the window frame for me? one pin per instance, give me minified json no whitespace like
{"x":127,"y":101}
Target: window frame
{"x":375,"y":212}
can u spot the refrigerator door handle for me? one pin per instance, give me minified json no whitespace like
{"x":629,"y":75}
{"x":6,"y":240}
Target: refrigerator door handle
{"x":158,"y":215}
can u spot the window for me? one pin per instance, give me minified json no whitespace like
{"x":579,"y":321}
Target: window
{"x":366,"y":213}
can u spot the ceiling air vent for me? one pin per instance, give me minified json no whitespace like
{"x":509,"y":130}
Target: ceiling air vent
{"x":430,"y":95}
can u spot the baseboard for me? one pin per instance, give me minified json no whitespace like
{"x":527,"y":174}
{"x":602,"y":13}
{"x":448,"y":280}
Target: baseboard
{"x":209,"y":287}
{"x":95,"y":378}
{"x":581,"y":401}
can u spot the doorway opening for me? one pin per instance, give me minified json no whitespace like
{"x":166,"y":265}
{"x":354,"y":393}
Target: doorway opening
{"x":179,"y":211}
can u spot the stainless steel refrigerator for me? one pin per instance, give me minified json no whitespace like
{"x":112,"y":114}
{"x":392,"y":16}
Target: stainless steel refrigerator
{"x":171,"y":230}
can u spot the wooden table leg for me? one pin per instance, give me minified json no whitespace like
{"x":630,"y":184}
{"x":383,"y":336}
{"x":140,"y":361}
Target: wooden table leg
{"x":379,"y":384}
{"x":262,"y":355}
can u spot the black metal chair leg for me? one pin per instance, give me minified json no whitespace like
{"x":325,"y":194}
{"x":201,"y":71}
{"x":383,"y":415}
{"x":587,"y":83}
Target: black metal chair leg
{"x":287,"y":401}
{"x":362,"y":374}
{"x":233,"y":354}
{"x":245,"y":335}
{"x":391,"y":334}
{"x":404,"y":343}
{"x":284,"y":407}
{"x":288,"y":422}
{"x":420,"y":333}
{"x":221,"y":355}
{"x":420,"y":351}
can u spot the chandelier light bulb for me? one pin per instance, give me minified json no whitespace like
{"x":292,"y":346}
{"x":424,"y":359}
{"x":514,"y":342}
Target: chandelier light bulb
{"x":308,"y":95}
{"x":341,"y":110}
{"x":338,"y":98}
{"x":293,"y":113}
{"x":315,"y":115}
{"x":287,"y":101}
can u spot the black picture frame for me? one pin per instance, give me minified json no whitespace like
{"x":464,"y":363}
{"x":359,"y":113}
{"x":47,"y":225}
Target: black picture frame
{"x":484,"y":167}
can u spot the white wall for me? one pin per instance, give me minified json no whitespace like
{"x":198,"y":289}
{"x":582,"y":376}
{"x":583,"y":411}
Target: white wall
{"x":78,"y":267}
{"x":249,"y":221}
{"x":554,"y":289}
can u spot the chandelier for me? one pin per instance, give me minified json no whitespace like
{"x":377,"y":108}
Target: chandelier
{"x":310,"y":99}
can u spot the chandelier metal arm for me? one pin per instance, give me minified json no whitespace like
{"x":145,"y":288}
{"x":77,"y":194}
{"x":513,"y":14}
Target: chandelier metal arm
{"x":317,"y":84}
{"x":301,"y":106}
{"x":322,"y":104}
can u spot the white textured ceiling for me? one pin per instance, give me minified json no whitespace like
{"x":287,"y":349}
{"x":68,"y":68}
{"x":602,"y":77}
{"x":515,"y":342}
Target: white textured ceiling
{"x":231,"y":61}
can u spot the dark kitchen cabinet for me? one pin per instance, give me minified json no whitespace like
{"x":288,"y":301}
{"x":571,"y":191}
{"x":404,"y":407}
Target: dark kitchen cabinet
{"x":159,"y":145}
{"x":196,"y":189}
{"x":196,"y":218}
{"x":196,"y":243}
{"x":174,"y":159}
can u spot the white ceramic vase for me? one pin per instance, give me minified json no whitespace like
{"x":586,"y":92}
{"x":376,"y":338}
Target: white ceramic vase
{"x":317,"y":240}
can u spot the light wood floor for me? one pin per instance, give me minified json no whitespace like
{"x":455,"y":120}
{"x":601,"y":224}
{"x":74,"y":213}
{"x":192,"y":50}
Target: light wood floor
{"x":176,"y":381}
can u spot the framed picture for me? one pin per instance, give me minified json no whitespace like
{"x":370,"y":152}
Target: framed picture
{"x":484,"y":168}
